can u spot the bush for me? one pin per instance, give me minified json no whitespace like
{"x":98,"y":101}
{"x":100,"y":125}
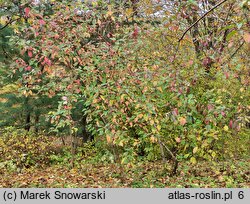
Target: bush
{"x":23,"y":149}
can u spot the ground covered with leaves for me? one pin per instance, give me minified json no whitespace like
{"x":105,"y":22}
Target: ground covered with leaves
{"x":142,"y":175}
{"x":39,"y":161}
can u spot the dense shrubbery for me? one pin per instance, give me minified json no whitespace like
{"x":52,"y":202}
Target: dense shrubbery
{"x":138,"y":89}
{"x":148,"y":106}
{"x":21,"y":149}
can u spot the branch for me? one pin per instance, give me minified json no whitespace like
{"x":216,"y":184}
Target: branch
{"x":232,"y":56}
{"x":10,"y":22}
{"x":174,"y":170}
{"x":236,"y":51}
{"x":203,"y":16}
{"x":168,"y":150}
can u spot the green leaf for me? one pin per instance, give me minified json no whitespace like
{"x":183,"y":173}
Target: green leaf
{"x":231,"y":34}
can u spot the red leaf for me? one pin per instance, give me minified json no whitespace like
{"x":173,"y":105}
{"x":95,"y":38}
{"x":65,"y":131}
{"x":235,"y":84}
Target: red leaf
{"x":207,"y":61}
{"x":30,"y":54}
{"x":56,"y":36}
{"x":28,"y":68}
{"x":26,"y":12}
{"x":231,"y":124}
{"x":42,"y":22}
{"x":78,"y":91}
{"x":136,"y":32}
{"x":191,"y":62}
{"x":46,"y":61}
{"x":78,"y":81}
{"x":226,"y":75}
{"x":210,"y":107}
{"x":175,"y":112}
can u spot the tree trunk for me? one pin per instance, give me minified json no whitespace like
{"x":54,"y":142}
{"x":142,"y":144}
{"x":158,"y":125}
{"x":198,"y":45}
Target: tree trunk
{"x":36,"y":122}
{"x":28,"y":114}
{"x":86,"y":136}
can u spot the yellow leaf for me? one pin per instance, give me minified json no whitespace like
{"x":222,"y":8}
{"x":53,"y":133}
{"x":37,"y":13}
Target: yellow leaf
{"x":30,"y":21}
{"x":94,"y":101}
{"x":193,"y":160}
{"x":160,"y":89}
{"x":3,"y":20}
{"x":123,"y":160}
{"x":158,"y":127}
{"x":149,"y":11}
{"x":73,"y":171}
{"x":26,"y":93}
{"x":94,"y":3}
{"x":111,"y":102}
{"x":129,"y":12}
{"x":110,"y":12}
{"x":136,"y":143}
{"x":16,"y":31}
{"x":225,"y":128}
{"x":140,"y":115}
{"x":179,"y":104}
{"x":123,"y":96}
{"x":102,"y":98}
{"x":195,"y":150}
{"x":87,"y":35}
{"x":153,"y":139}
{"x":213,"y":154}
{"x":121,"y":143}
{"x":154,"y":130}
{"x":152,"y":122}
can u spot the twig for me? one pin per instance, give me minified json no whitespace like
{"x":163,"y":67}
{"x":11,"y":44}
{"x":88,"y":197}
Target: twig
{"x":174,"y":170}
{"x":235,"y":52}
{"x":8,"y":23}
{"x":203,"y":16}
{"x":169,"y":151}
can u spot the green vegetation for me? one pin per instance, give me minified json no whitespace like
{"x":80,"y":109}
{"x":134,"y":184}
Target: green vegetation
{"x":116,"y":95}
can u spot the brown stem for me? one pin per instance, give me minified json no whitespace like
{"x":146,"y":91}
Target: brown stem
{"x":174,"y":170}
{"x":10,"y":22}
{"x":203,"y":16}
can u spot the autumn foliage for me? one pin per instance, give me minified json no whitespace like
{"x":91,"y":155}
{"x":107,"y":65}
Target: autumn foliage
{"x":137,"y":83}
